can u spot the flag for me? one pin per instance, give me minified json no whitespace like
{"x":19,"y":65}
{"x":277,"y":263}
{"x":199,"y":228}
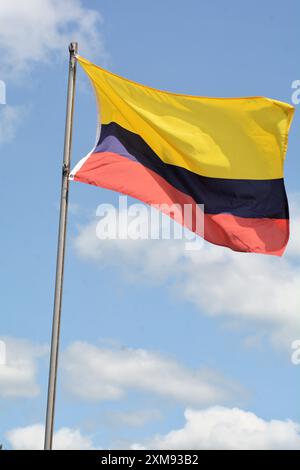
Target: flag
{"x":225,"y":153}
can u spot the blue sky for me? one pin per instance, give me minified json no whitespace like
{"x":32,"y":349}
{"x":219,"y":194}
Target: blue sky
{"x":216,"y":320}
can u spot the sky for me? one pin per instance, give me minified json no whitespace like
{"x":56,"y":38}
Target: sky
{"x":160,"y":347}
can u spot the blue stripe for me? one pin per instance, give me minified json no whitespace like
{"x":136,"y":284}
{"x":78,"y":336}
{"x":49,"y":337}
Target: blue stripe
{"x":243,"y":198}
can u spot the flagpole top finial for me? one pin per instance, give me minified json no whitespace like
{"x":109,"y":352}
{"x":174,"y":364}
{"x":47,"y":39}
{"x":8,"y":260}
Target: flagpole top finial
{"x":73,"y":47}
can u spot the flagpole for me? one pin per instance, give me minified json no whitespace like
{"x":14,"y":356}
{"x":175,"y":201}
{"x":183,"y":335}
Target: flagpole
{"x":73,"y":47}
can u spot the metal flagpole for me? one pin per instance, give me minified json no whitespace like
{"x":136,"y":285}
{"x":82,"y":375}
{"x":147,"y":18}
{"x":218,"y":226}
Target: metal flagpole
{"x":73,"y":47}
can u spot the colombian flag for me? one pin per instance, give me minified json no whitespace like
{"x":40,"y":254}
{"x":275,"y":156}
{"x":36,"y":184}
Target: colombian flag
{"x":167,"y":148}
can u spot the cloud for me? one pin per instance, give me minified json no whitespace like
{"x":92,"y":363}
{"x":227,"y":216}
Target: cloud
{"x":19,"y":369}
{"x":214,"y":428}
{"x":32,"y":31}
{"x":10,"y":117}
{"x":220,"y":428}
{"x":134,"y":418}
{"x":108,"y":374}
{"x":32,"y":438}
{"x":250,"y":289}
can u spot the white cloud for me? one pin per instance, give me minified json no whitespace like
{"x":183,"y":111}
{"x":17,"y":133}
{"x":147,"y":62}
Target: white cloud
{"x":32,"y":438}
{"x":237,"y":286}
{"x":215,"y":428}
{"x":110,"y":373}
{"x":18,"y":373}
{"x":10,"y":116}
{"x":134,"y":418}
{"x":222,"y":428}
{"x":32,"y":31}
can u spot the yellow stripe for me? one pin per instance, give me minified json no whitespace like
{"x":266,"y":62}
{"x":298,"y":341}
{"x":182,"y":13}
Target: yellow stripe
{"x":240,"y":138}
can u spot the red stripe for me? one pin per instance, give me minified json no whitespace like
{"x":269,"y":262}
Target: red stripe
{"x":111,"y":171}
